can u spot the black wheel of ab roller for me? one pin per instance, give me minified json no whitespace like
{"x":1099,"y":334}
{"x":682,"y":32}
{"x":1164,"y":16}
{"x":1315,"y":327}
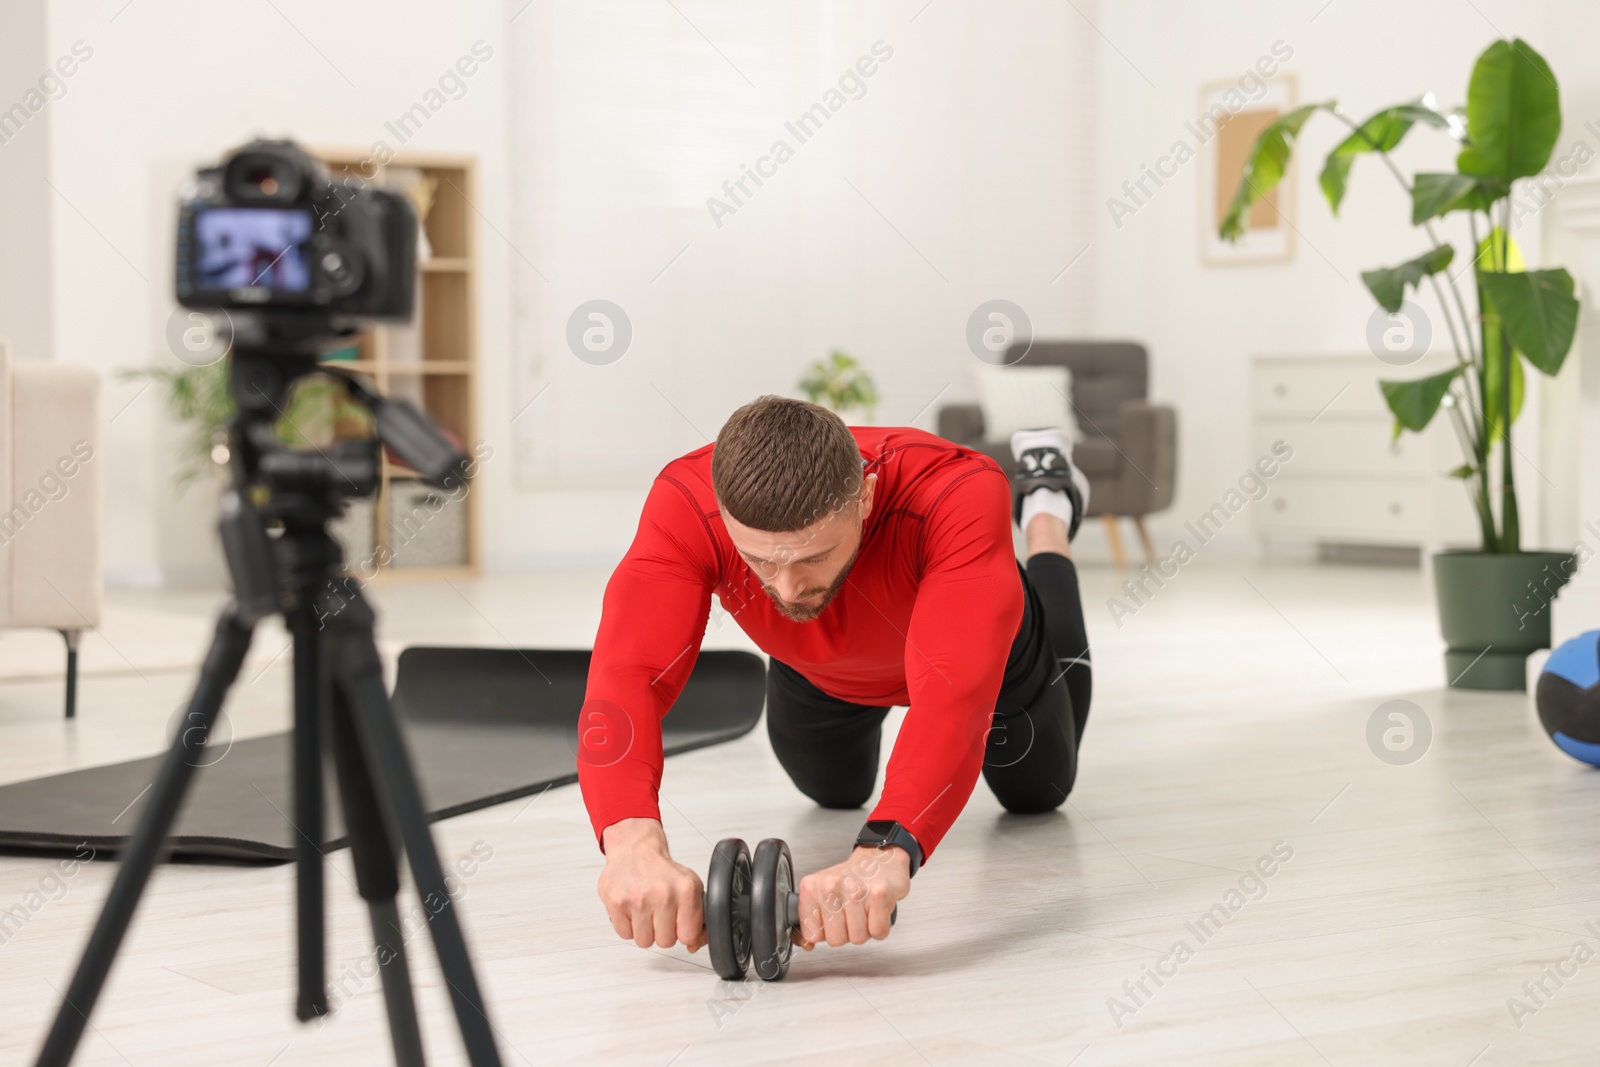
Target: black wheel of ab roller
{"x":727,"y":911}
{"x":753,"y":909}
{"x":772,"y":886}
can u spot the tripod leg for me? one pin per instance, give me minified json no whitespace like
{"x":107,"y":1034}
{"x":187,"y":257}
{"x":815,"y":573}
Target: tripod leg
{"x":311,"y":688}
{"x":377,"y":878}
{"x":357,"y":666}
{"x":221,"y":666}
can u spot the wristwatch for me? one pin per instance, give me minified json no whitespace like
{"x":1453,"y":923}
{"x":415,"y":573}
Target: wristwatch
{"x":884,"y":833}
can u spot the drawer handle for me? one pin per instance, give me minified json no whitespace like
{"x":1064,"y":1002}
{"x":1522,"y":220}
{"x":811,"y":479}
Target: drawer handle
{"x":1279,"y":504}
{"x":1280,"y":390}
{"x":1394,"y":508}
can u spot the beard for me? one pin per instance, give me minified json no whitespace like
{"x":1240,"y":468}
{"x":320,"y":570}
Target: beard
{"x":807,"y":612}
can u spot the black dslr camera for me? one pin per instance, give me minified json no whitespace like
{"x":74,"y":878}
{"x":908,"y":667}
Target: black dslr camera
{"x":270,"y":230}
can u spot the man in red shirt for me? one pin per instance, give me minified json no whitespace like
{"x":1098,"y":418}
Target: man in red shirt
{"x":875,"y":568}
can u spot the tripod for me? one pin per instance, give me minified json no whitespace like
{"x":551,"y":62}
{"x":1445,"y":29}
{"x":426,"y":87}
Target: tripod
{"x":341,"y":707}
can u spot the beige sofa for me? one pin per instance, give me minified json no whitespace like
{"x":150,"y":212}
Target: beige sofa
{"x":50,"y":501}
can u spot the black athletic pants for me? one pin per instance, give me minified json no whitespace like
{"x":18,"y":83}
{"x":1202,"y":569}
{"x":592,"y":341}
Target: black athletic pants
{"x":830,"y":747}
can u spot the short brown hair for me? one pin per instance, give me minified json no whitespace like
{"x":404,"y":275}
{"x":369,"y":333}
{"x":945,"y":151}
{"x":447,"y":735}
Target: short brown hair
{"x":782,"y":464}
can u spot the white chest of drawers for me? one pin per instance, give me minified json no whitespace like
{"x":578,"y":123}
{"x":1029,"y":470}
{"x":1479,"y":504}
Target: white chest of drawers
{"x":1349,"y":482}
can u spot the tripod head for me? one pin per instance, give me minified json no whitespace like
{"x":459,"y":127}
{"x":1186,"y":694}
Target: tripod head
{"x":299,"y":491}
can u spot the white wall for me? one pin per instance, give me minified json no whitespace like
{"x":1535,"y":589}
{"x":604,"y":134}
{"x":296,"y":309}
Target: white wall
{"x":30,"y":91}
{"x":990,"y":141}
{"x":602,"y":129}
{"x":971,"y":140}
{"x":1571,"y":32}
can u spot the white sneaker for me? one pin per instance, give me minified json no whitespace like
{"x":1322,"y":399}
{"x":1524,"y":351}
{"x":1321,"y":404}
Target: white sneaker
{"x":1046,"y":480}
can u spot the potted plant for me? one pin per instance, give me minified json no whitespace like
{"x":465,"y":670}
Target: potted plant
{"x":319,"y":413}
{"x":840,"y":384}
{"x":1507,"y":131}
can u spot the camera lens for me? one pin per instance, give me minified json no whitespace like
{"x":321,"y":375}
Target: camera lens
{"x":340,"y":273}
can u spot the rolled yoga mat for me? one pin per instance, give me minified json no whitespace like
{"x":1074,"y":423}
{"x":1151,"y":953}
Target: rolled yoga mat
{"x":483,"y":725}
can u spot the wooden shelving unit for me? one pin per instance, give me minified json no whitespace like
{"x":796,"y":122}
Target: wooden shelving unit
{"x":433,"y":362}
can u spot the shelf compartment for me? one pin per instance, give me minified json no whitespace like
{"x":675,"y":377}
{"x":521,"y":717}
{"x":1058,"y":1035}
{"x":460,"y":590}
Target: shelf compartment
{"x":448,"y":223}
{"x":445,"y":324}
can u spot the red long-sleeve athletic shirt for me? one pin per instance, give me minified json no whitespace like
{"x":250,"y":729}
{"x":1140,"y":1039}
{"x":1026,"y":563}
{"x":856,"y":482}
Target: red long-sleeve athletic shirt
{"x":925,"y":620}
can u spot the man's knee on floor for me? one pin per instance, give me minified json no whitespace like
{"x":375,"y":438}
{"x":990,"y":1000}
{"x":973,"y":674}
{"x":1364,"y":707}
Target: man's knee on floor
{"x":1031,"y":793}
{"x":1033,"y":802}
{"x":835,"y":783}
{"x":842,"y":797}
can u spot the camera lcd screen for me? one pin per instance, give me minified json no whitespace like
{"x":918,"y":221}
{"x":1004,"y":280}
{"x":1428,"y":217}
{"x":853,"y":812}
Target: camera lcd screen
{"x":252,"y":247}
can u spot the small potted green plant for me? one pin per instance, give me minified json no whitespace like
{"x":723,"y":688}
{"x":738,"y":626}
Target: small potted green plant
{"x":1515,"y":316}
{"x":319,"y":413}
{"x":842,"y":385}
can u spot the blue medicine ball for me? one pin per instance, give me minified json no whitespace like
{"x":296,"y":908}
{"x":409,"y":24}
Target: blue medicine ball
{"x":1568,"y":697}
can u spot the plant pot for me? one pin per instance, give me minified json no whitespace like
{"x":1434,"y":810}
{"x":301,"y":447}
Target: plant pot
{"x":1494,"y":611}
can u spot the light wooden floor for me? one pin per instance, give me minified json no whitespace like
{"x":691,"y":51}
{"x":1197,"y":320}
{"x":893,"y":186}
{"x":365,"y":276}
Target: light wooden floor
{"x":1230,"y":714}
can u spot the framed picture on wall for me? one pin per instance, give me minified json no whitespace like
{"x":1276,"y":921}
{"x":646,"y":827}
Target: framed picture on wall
{"x":1231,"y":117}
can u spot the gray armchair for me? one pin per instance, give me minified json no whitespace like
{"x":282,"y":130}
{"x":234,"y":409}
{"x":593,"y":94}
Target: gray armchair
{"x":1129,"y":452}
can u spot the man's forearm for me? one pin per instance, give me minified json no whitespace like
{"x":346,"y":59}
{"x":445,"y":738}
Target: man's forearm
{"x":623,"y":790}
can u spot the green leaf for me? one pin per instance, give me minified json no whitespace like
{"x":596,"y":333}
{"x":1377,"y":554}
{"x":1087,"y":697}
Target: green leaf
{"x":1265,"y":166}
{"x":1433,"y":195}
{"x":1382,"y":132}
{"x":1513,"y":113}
{"x":1415,"y":403}
{"x":1388,"y":284}
{"x":1466,"y":470}
{"x":1539,"y":312}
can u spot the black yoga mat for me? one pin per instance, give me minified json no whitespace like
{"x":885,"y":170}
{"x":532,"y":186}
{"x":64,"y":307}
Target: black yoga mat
{"x":484,"y":725}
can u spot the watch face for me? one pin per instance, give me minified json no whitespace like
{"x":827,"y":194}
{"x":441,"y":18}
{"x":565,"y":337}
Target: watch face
{"x":881,"y":828}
